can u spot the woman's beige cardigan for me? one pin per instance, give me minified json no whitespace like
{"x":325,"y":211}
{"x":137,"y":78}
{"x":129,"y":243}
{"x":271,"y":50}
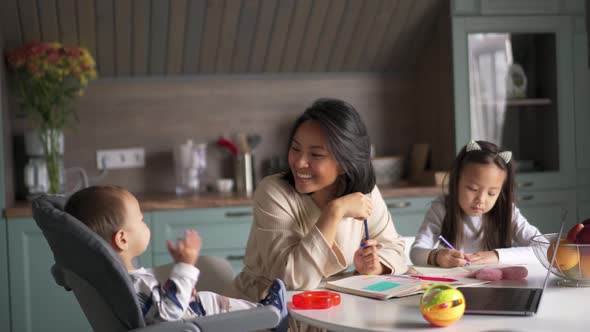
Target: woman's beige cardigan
{"x":285,"y":243}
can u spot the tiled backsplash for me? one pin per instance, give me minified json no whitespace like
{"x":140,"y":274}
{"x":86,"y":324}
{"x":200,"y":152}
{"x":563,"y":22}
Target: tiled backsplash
{"x":160,"y":113}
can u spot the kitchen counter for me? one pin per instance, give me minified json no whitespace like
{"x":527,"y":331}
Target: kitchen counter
{"x":169,"y":201}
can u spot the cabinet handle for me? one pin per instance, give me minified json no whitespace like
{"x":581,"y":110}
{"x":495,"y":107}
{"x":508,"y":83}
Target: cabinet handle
{"x":235,"y":257}
{"x":524,"y":184}
{"x":238,"y":214}
{"x":525,"y":197}
{"x":398,"y":205}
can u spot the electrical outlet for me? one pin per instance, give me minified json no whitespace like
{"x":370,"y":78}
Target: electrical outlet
{"x":120,"y":158}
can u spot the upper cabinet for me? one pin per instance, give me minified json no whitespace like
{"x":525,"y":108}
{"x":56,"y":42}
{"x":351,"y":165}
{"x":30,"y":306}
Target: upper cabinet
{"x":514,"y":84}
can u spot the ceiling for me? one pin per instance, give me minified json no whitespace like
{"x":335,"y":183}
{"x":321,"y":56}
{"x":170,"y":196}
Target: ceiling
{"x":174,"y":37}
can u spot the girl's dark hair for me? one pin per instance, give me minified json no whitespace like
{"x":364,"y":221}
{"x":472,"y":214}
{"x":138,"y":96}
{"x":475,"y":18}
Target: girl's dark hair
{"x":348,"y":141}
{"x":101,"y":208}
{"x":497,"y":226}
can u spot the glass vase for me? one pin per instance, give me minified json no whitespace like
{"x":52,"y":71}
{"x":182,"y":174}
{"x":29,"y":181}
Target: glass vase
{"x":53,"y":147}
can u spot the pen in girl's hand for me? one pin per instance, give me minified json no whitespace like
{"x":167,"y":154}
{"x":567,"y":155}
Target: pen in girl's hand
{"x":450,"y":246}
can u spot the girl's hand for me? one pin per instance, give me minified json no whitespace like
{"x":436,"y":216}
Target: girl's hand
{"x":355,"y":205}
{"x":451,"y":258}
{"x":187,"y":249}
{"x":483,"y":257}
{"x":366,"y":260}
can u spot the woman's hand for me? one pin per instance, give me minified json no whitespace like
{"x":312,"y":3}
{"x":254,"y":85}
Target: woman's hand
{"x":355,"y":205}
{"x":366,"y":260}
{"x":483,"y":257}
{"x":451,"y":258}
{"x":187,"y":249}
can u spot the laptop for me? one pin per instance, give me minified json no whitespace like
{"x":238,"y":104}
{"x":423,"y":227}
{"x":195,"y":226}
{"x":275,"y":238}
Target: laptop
{"x":511,"y":301}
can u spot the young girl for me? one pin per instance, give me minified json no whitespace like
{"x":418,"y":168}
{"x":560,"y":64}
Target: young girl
{"x":478,"y":216}
{"x":309,"y":222}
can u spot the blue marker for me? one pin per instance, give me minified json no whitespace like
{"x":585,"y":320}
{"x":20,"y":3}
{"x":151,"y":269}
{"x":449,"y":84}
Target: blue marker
{"x":366,"y":230}
{"x":450,"y":246}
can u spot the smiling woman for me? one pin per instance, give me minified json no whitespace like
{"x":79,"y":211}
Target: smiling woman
{"x":308,"y":221}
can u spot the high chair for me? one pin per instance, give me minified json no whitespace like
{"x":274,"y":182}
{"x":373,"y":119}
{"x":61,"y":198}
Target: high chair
{"x":87,"y":265}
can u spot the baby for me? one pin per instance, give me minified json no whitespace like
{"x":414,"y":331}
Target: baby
{"x":114,"y":214}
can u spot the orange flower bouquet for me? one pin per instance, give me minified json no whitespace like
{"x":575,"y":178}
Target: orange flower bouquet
{"x":49,"y":77}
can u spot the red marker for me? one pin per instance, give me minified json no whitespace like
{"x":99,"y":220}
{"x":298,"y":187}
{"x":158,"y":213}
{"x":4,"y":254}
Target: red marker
{"x":441,"y":279}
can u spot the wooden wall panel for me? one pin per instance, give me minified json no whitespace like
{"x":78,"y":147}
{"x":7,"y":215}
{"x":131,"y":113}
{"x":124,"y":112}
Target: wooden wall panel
{"x":228,"y":36}
{"x":328,"y":35}
{"x":178,"y":10}
{"x":314,"y":30}
{"x":158,"y":36}
{"x":67,"y":22}
{"x":262,"y":36}
{"x":87,"y":25}
{"x":434,"y":78}
{"x":211,"y":34}
{"x":141,"y":32}
{"x":377,"y":35}
{"x":123,"y":26}
{"x":297,"y":29}
{"x":48,"y":20}
{"x":245,"y":36}
{"x":344,"y":36}
{"x":174,"y":37}
{"x":396,"y":24}
{"x":280,"y":32}
{"x":193,"y":35}
{"x":10,"y":22}
{"x":105,"y":31}
{"x":423,"y":35}
{"x":29,"y":17}
{"x":360,"y":35}
{"x":410,"y":33}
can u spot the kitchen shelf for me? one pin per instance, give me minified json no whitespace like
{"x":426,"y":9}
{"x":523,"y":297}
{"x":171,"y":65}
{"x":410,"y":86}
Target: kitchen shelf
{"x":521,"y":102}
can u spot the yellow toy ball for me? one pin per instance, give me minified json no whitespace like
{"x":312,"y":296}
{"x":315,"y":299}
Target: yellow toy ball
{"x":442,"y":305}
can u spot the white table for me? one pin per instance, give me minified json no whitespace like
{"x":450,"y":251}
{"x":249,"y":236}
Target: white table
{"x":562,"y":309}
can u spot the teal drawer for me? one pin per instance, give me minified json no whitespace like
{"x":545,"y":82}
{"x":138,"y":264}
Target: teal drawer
{"x":408,"y":213}
{"x":220,"y":228}
{"x":544,"y":208}
{"x":235,"y":258}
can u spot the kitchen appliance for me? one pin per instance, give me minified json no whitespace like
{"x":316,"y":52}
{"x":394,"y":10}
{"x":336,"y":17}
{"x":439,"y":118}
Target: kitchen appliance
{"x":190,"y":163}
{"x":36,"y":178}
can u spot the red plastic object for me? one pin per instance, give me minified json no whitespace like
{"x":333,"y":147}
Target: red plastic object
{"x":316,"y":300}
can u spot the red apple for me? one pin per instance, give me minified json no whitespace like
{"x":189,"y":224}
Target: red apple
{"x":571,"y":235}
{"x":583,"y":236}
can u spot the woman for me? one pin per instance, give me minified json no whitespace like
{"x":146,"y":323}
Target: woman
{"x":308,"y":222}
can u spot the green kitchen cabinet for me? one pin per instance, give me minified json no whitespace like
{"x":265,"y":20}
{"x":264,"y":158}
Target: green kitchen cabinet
{"x":408,"y":213}
{"x":544,"y":209}
{"x":537,"y":126}
{"x":37,"y":303}
{"x":541,"y":116}
{"x":4,"y":287}
{"x":224,"y":232}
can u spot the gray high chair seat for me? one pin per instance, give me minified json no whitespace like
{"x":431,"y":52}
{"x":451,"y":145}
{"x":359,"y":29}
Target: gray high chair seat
{"x":87,"y":265}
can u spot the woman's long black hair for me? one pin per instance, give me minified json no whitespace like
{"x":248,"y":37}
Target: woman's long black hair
{"x":348,"y":141}
{"x":497,"y":222}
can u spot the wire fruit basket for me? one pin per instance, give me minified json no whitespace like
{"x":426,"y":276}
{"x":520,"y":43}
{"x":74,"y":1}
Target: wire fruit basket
{"x":572,"y":261}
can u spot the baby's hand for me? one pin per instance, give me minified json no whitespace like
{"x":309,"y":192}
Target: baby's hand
{"x":187,"y":249}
